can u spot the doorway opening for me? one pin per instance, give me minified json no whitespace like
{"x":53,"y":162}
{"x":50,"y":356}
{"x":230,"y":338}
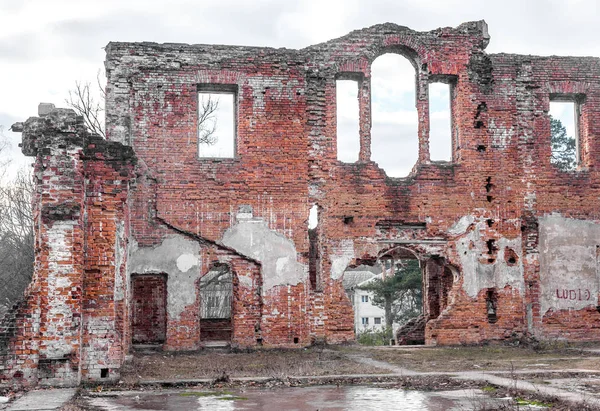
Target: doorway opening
{"x":216,"y":292}
{"x":149,"y":311}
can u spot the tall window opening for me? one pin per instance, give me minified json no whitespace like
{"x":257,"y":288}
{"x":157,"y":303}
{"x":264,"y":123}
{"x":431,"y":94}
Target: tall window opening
{"x":394,"y":141}
{"x":314,"y":254}
{"x":564,"y":134}
{"x":440,"y":122}
{"x":216,"y":122}
{"x":348,"y":126}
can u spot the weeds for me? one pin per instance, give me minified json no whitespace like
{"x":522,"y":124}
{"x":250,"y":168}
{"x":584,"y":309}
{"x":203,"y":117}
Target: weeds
{"x":375,"y":337}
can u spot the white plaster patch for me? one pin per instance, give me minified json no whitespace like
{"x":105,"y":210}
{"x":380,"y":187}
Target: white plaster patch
{"x":568,"y":263}
{"x":245,"y":281}
{"x":276,"y":252}
{"x":460,"y":227}
{"x":478,"y":276}
{"x":341,"y":255}
{"x":164,"y":258}
{"x":186,"y":261}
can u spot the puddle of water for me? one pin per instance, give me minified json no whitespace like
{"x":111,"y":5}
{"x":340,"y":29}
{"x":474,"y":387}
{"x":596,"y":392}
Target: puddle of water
{"x":348,"y":398}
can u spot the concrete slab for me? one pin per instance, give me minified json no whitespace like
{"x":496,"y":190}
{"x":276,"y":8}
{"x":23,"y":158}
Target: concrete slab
{"x":43,"y":400}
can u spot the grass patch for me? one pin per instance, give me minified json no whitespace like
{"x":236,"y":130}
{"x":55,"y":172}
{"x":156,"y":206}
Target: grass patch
{"x":489,"y":388}
{"x":535,"y":403}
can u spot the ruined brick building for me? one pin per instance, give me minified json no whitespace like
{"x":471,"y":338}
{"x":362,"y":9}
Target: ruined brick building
{"x":131,"y":230}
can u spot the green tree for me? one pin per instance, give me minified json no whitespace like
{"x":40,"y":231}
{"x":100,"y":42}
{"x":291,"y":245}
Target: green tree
{"x":563,"y":146}
{"x":400,"y":295}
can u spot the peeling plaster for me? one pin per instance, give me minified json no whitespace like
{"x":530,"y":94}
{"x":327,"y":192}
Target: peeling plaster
{"x":175,"y":256}
{"x":341,"y":255}
{"x":568,"y":263}
{"x":277,"y":254}
{"x":60,"y":266}
{"x":478,"y":275}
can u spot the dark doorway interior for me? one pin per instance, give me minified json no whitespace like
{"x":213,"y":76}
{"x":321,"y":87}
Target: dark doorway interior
{"x":149,"y":322}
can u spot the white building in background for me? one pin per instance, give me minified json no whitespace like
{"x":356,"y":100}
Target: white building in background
{"x":367,"y":317}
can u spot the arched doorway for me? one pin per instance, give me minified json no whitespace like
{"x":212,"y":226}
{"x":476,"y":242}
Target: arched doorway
{"x":216,"y":293}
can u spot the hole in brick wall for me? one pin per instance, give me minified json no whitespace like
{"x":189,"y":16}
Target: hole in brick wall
{"x":259,"y":341}
{"x":296,"y":340}
{"x":479,"y":121}
{"x":481,"y":148}
{"x":103,"y":372}
{"x":348,"y":220}
{"x":348,"y":125}
{"x":313,"y":248}
{"x":440,"y":126}
{"x":488,"y":184}
{"x":564,"y":134}
{"x":216,"y":122}
{"x":489,"y":222}
{"x":491,"y":246}
{"x":491,"y":303}
{"x":488,"y":188}
{"x":510,"y":256}
{"x":395,"y":143}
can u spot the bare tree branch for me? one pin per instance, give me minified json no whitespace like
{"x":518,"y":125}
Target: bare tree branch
{"x":81,"y":100}
{"x":207,"y":119}
{"x":16,"y":237}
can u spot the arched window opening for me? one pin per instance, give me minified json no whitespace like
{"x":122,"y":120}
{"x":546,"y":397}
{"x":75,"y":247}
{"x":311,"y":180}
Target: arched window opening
{"x":394,"y":137}
{"x":440,"y":123}
{"x":347,"y":114}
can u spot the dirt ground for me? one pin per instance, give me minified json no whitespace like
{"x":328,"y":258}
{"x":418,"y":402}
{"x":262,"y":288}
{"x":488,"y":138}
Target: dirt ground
{"x":219,"y":368}
{"x":487,"y":358}
{"x":274,"y":363}
{"x":279,"y":363}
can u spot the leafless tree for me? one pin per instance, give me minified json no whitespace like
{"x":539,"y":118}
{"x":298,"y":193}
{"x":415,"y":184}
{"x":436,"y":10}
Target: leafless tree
{"x":207,"y":119}
{"x":81,"y":100}
{"x":16,"y":232}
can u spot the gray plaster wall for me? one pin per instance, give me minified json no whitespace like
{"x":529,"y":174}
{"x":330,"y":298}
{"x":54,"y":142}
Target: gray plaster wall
{"x":178,"y":257}
{"x":277,"y":254}
{"x":568,"y":263}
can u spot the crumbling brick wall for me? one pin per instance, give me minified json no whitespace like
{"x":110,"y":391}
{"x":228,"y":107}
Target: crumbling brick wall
{"x":509,"y":242}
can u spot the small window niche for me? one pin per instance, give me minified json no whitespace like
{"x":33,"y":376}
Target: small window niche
{"x":217,"y":121}
{"x":440,"y":122}
{"x":348,"y":120}
{"x":564,"y":132}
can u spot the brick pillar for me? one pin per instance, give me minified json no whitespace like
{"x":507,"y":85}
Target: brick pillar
{"x":55,"y":139}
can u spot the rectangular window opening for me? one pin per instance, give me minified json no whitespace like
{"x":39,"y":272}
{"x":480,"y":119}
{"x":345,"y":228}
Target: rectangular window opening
{"x":365,"y":299}
{"x":216,"y":122}
{"x":348,"y":120}
{"x":440,"y":122}
{"x":365,"y":320}
{"x":564,"y":134}
{"x":377,"y":320}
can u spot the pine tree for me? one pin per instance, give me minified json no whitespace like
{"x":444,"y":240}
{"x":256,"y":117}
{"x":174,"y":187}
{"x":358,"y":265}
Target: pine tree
{"x":564,"y":154}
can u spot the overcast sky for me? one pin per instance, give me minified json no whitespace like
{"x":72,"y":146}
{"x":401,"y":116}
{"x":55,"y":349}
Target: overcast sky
{"x":46,"y":45}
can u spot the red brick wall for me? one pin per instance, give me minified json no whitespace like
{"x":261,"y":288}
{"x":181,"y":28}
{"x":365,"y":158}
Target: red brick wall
{"x":469,"y":214}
